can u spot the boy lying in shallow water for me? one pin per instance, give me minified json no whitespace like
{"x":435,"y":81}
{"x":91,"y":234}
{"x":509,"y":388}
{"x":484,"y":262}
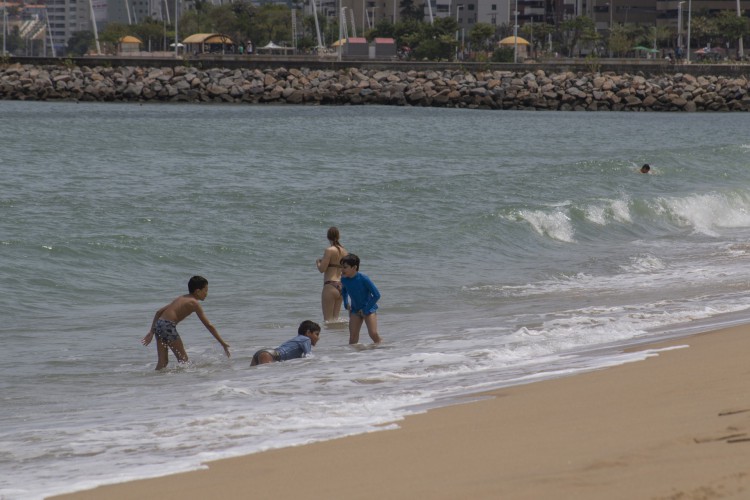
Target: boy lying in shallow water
{"x":300,"y":346}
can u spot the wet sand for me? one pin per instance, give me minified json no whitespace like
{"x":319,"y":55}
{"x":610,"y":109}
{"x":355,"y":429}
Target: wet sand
{"x":674,"y":426}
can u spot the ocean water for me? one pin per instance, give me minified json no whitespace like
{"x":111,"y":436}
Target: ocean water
{"x":508,"y":247}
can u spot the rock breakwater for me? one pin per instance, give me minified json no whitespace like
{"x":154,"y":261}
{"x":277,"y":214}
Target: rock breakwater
{"x":450,"y":88}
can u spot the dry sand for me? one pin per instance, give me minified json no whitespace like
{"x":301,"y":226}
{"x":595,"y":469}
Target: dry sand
{"x":675,"y":426}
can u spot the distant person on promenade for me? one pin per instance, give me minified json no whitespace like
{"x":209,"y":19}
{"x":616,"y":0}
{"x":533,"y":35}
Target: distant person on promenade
{"x":300,"y":346}
{"x":164,"y":325}
{"x":330,"y":266}
{"x":646,"y":168}
{"x":360,"y":299}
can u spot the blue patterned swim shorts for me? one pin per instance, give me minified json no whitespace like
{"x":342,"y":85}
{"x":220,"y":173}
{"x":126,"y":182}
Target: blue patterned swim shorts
{"x":166,"y":330}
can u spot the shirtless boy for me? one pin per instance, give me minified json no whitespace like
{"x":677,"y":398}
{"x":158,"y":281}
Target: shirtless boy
{"x":165,"y":322}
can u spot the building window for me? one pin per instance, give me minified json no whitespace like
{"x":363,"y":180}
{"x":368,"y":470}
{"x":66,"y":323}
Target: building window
{"x":494,"y":7}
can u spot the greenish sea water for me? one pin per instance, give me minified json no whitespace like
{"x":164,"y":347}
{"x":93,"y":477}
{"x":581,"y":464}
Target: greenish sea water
{"x":508,"y":246}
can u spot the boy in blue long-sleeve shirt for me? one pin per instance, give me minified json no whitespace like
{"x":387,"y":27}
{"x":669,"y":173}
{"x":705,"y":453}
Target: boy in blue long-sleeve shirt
{"x":300,"y":346}
{"x":360,"y":299}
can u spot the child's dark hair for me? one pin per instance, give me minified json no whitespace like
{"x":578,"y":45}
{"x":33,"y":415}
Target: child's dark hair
{"x":350,"y":260}
{"x":308,"y":326}
{"x":197,"y":283}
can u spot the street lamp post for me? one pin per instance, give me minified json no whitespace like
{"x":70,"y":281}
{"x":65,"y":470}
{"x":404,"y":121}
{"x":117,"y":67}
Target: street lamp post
{"x":458,"y":29}
{"x":610,"y":8}
{"x":94,"y":28}
{"x":740,"y":48}
{"x":515,"y":35}
{"x":340,"y":48}
{"x":164,"y":24}
{"x":5,"y":24}
{"x":690,"y":13}
{"x":176,"y":38}
{"x":679,"y":24}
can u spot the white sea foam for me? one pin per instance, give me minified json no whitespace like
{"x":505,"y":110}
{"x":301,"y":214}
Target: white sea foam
{"x":596,"y":214}
{"x":621,"y":210}
{"x":706,"y":213}
{"x":556,"y":225}
{"x":644,"y":264}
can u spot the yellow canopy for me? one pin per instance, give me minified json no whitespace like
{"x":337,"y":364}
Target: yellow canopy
{"x":208,"y":38}
{"x":129,"y":39}
{"x":219,"y":39}
{"x":512,"y":41}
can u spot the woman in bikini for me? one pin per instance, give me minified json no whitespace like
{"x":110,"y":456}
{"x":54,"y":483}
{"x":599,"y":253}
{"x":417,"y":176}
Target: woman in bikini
{"x":330,"y":266}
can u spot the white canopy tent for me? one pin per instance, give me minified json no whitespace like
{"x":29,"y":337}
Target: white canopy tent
{"x":271,"y":47}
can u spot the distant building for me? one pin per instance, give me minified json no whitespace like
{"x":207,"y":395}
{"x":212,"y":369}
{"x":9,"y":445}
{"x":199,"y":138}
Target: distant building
{"x":136,"y":11}
{"x":65,"y":18}
{"x":31,"y":23}
{"x":100,"y":12}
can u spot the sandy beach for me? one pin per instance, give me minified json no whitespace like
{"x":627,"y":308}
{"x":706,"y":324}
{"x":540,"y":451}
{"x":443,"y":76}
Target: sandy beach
{"x":675,"y":426}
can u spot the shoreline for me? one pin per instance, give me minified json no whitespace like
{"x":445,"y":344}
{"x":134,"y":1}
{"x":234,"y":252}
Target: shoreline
{"x":675,"y":425}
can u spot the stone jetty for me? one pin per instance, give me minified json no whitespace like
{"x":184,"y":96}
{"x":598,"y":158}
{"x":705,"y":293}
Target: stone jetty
{"x":534,"y":89}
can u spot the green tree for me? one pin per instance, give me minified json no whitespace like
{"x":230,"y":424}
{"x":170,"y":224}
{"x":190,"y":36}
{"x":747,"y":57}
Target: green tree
{"x":620,"y":41}
{"x":409,"y":32}
{"x":14,"y":43}
{"x":480,"y":36}
{"x":732,"y":26}
{"x":441,"y":47}
{"x":200,"y":19}
{"x":503,"y":54}
{"x":428,"y":41}
{"x":80,"y":42}
{"x":407,"y":29}
{"x":702,"y":30}
{"x":537,"y":33}
{"x":441,"y":26}
{"x":654,"y":36}
{"x":306,"y":43}
{"x":245,"y":12}
{"x":113,"y":32}
{"x":330,"y":32}
{"x":410,"y":11}
{"x":580,"y":28}
{"x":150,"y":30}
{"x":383,"y":28}
{"x":224,"y":19}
